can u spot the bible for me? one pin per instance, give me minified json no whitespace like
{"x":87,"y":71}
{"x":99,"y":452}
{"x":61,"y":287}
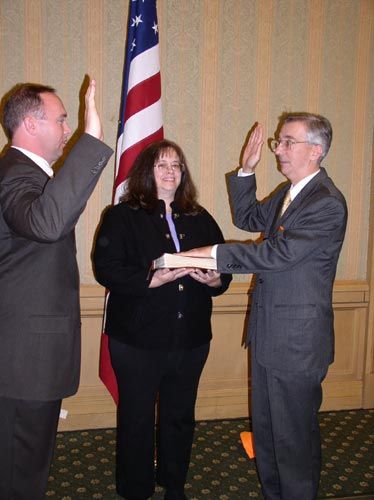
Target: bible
{"x":173,"y":260}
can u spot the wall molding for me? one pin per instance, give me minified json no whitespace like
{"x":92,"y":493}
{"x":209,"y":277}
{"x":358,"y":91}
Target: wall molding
{"x":224,"y":390}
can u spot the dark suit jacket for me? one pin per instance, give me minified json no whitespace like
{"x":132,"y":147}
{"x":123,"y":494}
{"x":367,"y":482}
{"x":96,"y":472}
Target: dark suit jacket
{"x":291,"y":314}
{"x":39,"y":281}
{"x":173,"y":316}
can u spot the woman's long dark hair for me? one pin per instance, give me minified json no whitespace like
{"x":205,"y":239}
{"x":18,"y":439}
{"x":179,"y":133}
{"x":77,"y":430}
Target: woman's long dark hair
{"x":141,"y":189}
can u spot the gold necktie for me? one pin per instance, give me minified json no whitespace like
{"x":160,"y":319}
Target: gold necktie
{"x":286,"y":202}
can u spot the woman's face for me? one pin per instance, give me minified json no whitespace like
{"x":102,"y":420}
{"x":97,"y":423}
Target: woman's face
{"x":168,"y":174}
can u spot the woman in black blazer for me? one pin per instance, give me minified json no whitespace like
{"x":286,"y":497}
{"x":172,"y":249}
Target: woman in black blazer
{"x":158,"y":322}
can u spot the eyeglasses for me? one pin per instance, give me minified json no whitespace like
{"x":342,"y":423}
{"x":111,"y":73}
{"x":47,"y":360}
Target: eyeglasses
{"x":164,"y":167}
{"x":286,"y":144}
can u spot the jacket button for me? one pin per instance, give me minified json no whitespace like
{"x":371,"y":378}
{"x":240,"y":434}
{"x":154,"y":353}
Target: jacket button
{"x":181,"y":236}
{"x":179,"y":315}
{"x":260,"y":280}
{"x":180,"y":287}
{"x":167,"y":235}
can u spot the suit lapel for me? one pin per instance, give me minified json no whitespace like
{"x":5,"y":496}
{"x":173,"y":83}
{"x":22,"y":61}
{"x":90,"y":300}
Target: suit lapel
{"x":297,"y":202}
{"x":304,"y":193}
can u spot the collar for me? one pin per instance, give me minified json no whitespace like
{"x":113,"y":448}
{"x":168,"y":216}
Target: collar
{"x":162,"y":207}
{"x":295,"y":190}
{"x":41,"y":162}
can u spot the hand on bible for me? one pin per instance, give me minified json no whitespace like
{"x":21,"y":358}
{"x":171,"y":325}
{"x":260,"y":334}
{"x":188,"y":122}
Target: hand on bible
{"x":198,"y":252}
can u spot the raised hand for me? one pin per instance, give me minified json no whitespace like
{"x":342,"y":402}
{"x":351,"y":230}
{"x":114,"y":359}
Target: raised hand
{"x":252,"y":151}
{"x":91,"y":117}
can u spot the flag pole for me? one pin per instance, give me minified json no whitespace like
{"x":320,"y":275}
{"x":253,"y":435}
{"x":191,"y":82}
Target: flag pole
{"x":140,"y":121}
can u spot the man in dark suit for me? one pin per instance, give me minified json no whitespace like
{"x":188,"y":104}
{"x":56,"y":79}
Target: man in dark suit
{"x":291,"y":324}
{"x":39,"y":281}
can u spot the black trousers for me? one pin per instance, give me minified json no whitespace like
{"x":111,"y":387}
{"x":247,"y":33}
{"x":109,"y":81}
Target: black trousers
{"x":27,"y":440}
{"x":285,"y":408}
{"x":142,"y":377}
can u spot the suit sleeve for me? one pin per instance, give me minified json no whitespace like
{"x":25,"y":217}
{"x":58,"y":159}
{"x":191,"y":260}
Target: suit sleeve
{"x":248,"y":213}
{"x":47,"y":212}
{"x":215,"y":236}
{"x":320,"y":224}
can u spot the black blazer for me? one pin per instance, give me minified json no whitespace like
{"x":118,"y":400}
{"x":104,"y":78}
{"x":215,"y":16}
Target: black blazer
{"x":39,"y":281}
{"x":173,"y":316}
{"x":291,"y":315}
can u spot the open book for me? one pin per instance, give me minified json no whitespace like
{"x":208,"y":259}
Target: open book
{"x":173,"y":260}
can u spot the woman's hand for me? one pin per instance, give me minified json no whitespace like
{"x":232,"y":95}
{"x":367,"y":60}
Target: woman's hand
{"x":210,"y":277}
{"x":162,"y":276}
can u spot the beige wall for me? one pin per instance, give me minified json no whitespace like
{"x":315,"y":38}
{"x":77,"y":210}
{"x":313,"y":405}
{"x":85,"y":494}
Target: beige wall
{"x":225,"y":386}
{"x":225,"y":64}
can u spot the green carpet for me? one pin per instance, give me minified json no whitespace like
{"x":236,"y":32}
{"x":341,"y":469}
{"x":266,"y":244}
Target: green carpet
{"x":83,"y":465}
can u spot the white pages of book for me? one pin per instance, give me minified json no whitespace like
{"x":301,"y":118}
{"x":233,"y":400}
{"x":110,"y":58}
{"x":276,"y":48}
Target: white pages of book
{"x":173,"y":260}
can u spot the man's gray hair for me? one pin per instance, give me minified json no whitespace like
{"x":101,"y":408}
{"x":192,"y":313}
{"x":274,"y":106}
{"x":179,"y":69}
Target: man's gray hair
{"x":318,"y":128}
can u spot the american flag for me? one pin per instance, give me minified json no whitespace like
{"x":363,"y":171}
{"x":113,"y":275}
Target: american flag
{"x":140,"y":118}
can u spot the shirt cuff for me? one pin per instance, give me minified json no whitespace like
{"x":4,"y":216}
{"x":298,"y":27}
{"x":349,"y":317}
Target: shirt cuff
{"x":213,"y":252}
{"x":244,"y":174}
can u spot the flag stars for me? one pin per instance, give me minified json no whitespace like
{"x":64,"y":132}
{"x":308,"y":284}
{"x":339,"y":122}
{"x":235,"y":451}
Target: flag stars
{"x":133,"y":45}
{"x":155,"y":27}
{"x":136,"y":20}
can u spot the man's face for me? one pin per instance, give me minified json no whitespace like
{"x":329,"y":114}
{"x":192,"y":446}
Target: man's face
{"x":53,"y":130}
{"x":300,"y":159}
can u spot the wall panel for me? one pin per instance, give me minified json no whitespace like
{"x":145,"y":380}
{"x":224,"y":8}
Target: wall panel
{"x":225,"y":386}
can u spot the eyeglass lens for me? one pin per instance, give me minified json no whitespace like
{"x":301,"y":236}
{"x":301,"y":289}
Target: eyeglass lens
{"x":166,"y":166}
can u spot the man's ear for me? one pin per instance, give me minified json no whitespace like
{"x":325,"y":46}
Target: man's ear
{"x":30,"y":124}
{"x":317,"y":152}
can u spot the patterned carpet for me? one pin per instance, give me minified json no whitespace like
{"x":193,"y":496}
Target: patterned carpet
{"x":83,"y":465}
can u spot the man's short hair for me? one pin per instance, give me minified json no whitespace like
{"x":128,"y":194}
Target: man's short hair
{"x":318,"y":128}
{"x":22,"y":100}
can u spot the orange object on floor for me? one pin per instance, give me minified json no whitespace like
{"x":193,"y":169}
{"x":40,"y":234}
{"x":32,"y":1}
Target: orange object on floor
{"x":248,"y":444}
